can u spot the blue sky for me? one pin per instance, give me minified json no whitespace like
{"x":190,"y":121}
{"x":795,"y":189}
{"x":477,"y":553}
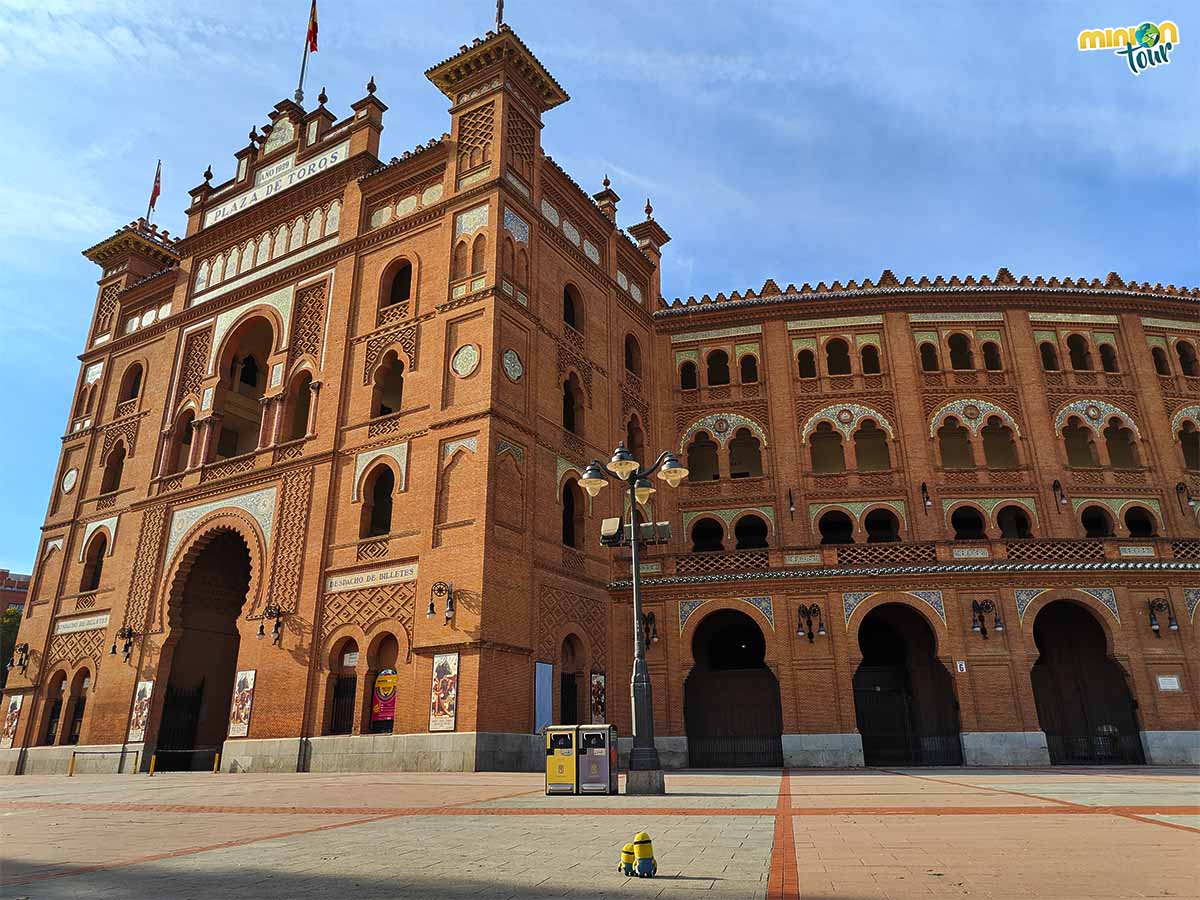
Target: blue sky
{"x":796,"y":141}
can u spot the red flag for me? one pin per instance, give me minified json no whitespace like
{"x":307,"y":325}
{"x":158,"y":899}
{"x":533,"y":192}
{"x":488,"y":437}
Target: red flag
{"x":157,"y":189}
{"x":312,"y":28}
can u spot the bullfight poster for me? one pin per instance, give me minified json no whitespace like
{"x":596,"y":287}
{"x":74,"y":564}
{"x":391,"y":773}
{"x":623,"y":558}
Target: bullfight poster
{"x":599,"y":701}
{"x":383,"y":700}
{"x":443,"y":703}
{"x":243,"y":700}
{"x":141,"y":711}
{"x":12,"y":714}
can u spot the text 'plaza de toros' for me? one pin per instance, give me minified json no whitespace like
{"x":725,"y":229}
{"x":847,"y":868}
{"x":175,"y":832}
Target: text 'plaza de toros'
{"x":318,"y":502}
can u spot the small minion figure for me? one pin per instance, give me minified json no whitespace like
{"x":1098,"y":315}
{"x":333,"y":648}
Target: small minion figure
{"x":627,"y":860}
{"x":643,"y":852}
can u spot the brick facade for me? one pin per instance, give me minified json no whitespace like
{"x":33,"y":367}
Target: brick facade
{"x":265,"y":410}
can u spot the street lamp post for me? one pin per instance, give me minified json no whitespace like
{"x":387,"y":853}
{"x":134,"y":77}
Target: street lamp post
{"x":645,"y":770}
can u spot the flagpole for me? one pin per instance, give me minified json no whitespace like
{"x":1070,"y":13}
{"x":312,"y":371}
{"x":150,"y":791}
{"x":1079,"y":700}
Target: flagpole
{"x":153,"y":192}
{"x":303,"y":65}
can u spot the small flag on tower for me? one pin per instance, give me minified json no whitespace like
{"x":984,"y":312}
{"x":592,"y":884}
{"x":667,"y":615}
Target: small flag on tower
{"x":312,"y":28}
{"x":155,"y":191}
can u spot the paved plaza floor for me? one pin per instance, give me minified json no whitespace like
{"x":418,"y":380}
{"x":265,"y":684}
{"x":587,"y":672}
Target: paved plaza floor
{"x":1067,"y":834}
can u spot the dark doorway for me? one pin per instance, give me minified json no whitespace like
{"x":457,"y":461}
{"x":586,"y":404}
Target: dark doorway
{"x":568,"y":700}
{"x":903,"y":696}
{"x":731,"y":699}
{"x":1083,"y":700}
{"x":341,"y":716}
{"x":195,"y":716}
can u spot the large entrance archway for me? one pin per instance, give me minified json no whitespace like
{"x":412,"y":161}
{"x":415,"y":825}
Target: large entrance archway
{"x":203,"y":661}
{"x":731,"y":699}
{"x":1083,"y":701}
{"x":903,"y":696}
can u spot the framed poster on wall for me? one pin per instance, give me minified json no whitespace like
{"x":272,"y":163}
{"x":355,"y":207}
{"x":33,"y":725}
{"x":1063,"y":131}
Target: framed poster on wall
{"x":141,"y":710}
{"x":443,"y":694}
{"x":12,"y":715}
{"x":543,"y":696}
{"x":599,"y":700}
{"x":383,"y":701}
{"x":243,"y":700}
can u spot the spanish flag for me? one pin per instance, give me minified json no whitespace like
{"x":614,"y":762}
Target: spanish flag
{"x":312,"y":28}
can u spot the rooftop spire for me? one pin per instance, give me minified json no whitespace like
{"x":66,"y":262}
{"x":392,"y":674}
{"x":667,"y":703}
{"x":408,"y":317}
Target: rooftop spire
{"x":499,"y":14}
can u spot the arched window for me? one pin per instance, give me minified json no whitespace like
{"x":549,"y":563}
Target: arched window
{"x":1108,"y":358}
{"x":400,"y":289}
{"x":389,"y":386}
{"x":1049,"y":356}
{"x":807,"y":364}
{"x":748,"y":366}
{"x":991,"y":357}
{"x":882,"y":526}
{"x":825,"y":448}
{"x":572,"y":514}
{"x":718,"y":368}
{"x":635,"y":439}
{"x":459,"y":264}
{"x":1081,"y":449}
{"x":1013,"y":522}
{"x":114,"y":467}
{"x":1189,"y":439}
{"x":633,"y":355}
{"x":378,"y":489}
{"x":300,"y":402}
{"x":508,"y":258}
{"x":929,"y":358}
{"x":573,"y":307}
{"x":479,"y":255}
{"x":707,"y":534}
{"x":702,"y":459}
{"x":688,"y":380}
{"x":999,"y":448}
{"x":1140,"y":522}
{"x":83,"y":403}
{"x":1121,"y":446}
{"x":837,"y":357}
{"x":745,"y":455}
{"x":1096,"y":521}
{"x":750,"y":533}
{"x":93,"y":562}
{"x":968,"y":524}
{"x":961,"y":357}
{"x":871,"y":448}
{"x":572,"y":411}
{"x":836,"y":528}
{"x":954,"y":442}
{"x":1188,"y":364}
{"x":243,"y":364}
{"x":131,"y":383}
{"x":55,"y":697}
{"x":1080,"y":353}
{"x":180,"y":448}
{"x":76,"y":706}
{"x":1161,"y":366}
{"x":869,"y":358}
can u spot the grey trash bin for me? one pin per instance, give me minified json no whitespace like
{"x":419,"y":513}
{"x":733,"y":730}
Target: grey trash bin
{"x":597,"y":759}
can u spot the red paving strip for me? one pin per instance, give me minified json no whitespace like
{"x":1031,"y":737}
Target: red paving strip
{"x":783,"y":881}
{"x":187,"y":851}
{"x":779,"y":810}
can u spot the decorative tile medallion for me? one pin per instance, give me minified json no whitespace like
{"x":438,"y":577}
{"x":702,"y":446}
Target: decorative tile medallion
{"x":549,"y":212}
{"x":465,"y":360}
{"x":432,"y":194}
{"x":722,"y":426}
{"x":623,"y":284}
{"x":846,"y":417}
{"x":1095,"y":413}
{"x":513,"y":367}
{"x":70,"y":477}
{"x":571,"y":232}
{"x":470,"y":221}
{"x":973,"y":414}
{"x":591,"y":251}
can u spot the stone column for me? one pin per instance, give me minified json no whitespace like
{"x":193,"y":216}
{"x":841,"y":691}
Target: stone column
{"x":164,"y":453}
{"x":211,"y":424}
{"x":311,"y":429}
{"x":265,"y":424}
{"x":278,"y":410}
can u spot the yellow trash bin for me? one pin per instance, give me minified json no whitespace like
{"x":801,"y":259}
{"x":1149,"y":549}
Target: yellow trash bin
{"x":561,"y":759}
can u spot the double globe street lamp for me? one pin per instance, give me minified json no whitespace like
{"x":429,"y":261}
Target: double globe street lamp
{"x":645,"y":771}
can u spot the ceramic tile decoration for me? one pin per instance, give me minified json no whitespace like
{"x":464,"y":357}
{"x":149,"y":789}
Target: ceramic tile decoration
{"x":471,"y":221}
{"x":109,"y":523}
{"x":845,"y":418}
{"x":513,"y":367}
{"x":259,"y":504}
{"x":398,"y":453}
{"x":1095,"y":413}
{"x":465,"y":360}
{"x":516,"y":226}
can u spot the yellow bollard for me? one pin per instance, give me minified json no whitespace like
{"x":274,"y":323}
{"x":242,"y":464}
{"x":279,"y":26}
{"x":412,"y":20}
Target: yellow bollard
{"x":216,"y":763}
{"x":643,"y":850}
{"x":71,"y":767}
{"x":153,"y":760}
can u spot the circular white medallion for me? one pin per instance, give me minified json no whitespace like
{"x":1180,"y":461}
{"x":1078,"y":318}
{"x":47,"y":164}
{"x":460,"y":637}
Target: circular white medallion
{"x":513,"y":367}
{"x":465,"y":360}
{"x":68,"y":480}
